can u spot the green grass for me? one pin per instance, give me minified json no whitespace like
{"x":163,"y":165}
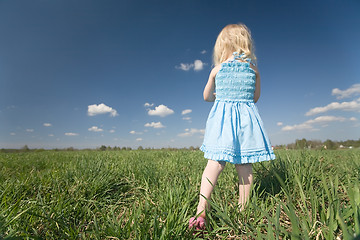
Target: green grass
{"x":151,"y":194}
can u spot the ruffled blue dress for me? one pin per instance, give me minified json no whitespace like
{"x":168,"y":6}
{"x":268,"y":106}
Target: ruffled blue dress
{"x":234,"y":130}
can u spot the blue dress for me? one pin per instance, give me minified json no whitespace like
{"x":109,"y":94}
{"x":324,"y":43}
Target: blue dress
{"x":234,"y":130}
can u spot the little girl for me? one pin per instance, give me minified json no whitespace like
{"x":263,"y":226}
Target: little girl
{"x":234,"y":130}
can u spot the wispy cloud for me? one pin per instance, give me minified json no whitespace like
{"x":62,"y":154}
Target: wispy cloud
{"x":47,"y":125}
{"x":139,"y":139}
{"x":198,"y":65}
{"x":190,"y":132}
{"x":353,"y":90}
{"x":343,"y":106}
{"x":11,"y":107}
{"x":323,"y":121}
{"x":101,"y":109}
{"x":30,"y":130}
{"x":154,"y":125}
{"x":95,"y":129}
{"x":186,"y":111}
{"x":309,"y":124}
{"x":161,"y":111}
{"x":135,"y":133}
{"x":184,"y":66}
{"x":148,"y":104}
{"x":203,"y":52}
{"x":71,"y":134}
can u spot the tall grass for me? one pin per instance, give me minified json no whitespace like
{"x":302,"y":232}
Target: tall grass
{"x":151,"y":194}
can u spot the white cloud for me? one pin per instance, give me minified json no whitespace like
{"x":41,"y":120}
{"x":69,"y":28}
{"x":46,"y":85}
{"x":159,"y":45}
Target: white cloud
{"x":353,"y":119}
{"x":184,"y":66}
{"x":51,"y":135}
{"x":322,"y":119}
{"x":161,"y":111}
{"x":139,"y":139}
{"x":302,"y":126}
{"x":12,"y":134}
{"x":71,"y":134}
{"x":198,"y":65}
{"x":134,"y":132}
{"x":112,"y":131}
{"x":148,"y":104}
{"x":344,"y":106}
{"x":203,"y":51}
{"x":186,"y":118}
{"x":47,"y":125}
{"x":186,"y":111}
{"x":308,"y":125}
{"x":190,"y":132}
{"x":340,"y":94}
{"x":279,"y":123}
{"x":101,"y":109}
{"x":30,"y":130}
{"x":154,"y":125}
{"x":95,"y":129}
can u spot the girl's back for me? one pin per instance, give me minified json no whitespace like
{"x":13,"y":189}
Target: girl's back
{"x":235,"y":81}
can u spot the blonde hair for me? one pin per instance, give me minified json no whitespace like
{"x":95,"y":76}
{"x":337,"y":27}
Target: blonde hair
{"x":233,"y":38}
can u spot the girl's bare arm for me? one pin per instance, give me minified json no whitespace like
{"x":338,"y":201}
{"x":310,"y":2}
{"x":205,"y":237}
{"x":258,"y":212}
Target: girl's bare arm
{"x":257,"y":85}
{"x":209,"y":89}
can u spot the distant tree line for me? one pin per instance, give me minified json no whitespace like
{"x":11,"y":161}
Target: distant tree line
{"x":317,"y":144}
{"x":298,"y":144}
{"x":108,"y":148}
{"x":101,"y":148}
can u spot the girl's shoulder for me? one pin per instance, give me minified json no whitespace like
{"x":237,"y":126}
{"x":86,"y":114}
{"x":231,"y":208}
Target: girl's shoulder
{"x":215,"y":70}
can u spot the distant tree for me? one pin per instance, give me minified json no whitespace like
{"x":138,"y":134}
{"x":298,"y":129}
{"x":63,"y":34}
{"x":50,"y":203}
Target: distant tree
{"x":301,"y":144}
{"x":140,"y":148}
{"x":25,"y":148}
{"x":102,"y":148}
{"x":330,"y":144}
{"x":291,"y":146}
{"x":314,"y":144}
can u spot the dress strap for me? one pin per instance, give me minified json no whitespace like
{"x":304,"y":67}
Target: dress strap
{"x":242,"y":57}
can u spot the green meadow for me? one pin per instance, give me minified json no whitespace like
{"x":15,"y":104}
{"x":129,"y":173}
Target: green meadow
{"x":151,"y":194}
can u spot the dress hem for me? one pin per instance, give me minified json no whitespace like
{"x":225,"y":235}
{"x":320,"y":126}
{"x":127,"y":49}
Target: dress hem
{"x":231,"y":157}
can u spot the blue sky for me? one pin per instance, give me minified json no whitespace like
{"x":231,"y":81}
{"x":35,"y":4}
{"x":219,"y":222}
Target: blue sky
{"x":131,"y":73}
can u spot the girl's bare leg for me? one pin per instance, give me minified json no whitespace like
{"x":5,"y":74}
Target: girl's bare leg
{"x":245,"y":180}
{"x":211,"y":173}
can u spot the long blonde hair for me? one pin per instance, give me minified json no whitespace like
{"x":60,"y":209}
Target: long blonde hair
{"x":233,"y":38}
